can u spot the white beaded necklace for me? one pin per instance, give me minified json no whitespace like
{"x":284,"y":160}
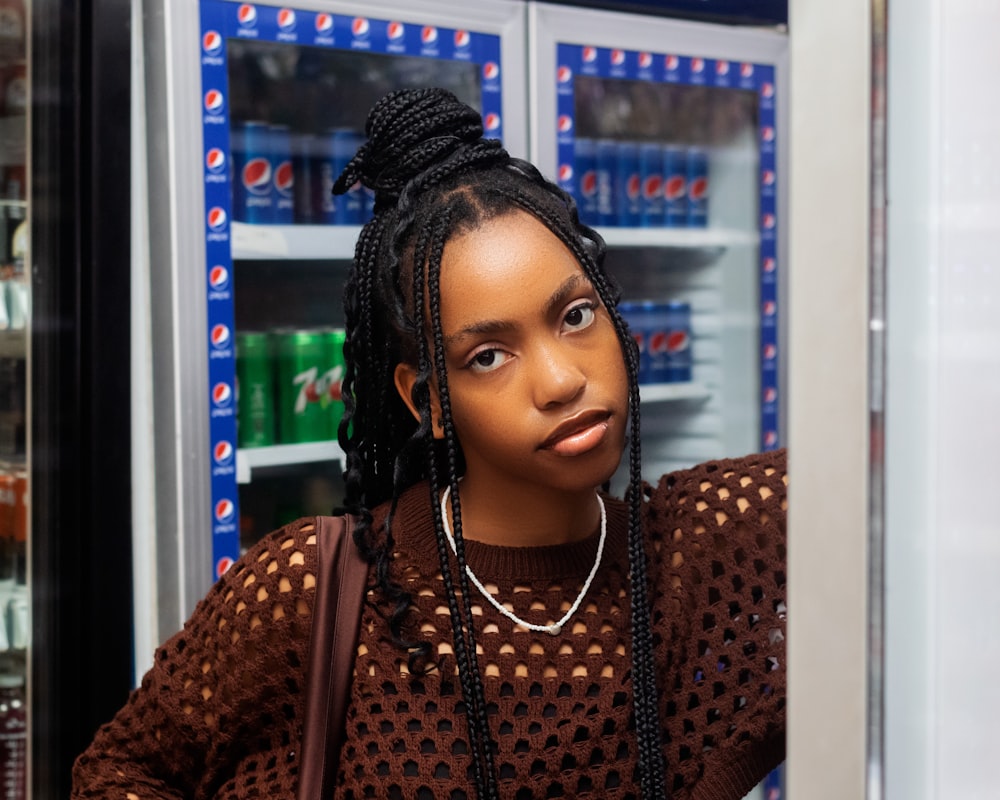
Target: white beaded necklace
{"x":554,"y":628}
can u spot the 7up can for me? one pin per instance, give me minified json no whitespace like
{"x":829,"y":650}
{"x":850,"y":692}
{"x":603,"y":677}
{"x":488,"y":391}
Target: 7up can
{"x":254,"y":389}
{"x":308,"y":376}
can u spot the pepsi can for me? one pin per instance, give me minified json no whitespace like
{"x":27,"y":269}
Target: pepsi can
{"x":284,"y":176}
{"x":697,"y":180}
{"x":607,"y":166}
{"x":585,"y":178}
{"x":670,"y":342}
{"x":253,"y":189}
{"x":628,"y":185}
{"x":651,"y":177}
{"x":675,"y":181}
{"x":308,"y":203}
{"x":636,"y":316}
{"x":348,"y":208}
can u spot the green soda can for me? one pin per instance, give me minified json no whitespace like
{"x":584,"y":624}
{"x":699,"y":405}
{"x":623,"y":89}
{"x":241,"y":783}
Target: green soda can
{"x":305,"y":373}
{"x":254,"y":389}
{"x":337,"y":378}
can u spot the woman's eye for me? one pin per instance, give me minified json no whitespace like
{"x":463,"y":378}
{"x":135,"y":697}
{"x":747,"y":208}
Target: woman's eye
{"x":579,"y":316}
{"x":487,"y":360}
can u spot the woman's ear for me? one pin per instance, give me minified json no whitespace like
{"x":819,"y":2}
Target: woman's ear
{"x":405,"y":377}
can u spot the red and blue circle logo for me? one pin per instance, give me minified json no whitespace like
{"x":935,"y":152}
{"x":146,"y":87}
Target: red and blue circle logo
{"x":222,"y":566}
{"x":395,"y":31}
{"x":491,"y":71}
{"x":492,"y":122}
{"x":697,"y":65}
{"x":211,"y":43}
{"x":746,"y":70}
{"x":223,"y":453}
{"x":565,"y":173}
{"x":429,"y":35}
{"x":770,"y":264}
{"x":589,"y":55}
{"x":222,"y":394}
{"x":225,"y":511}
{"x":215,"y":160}
{"x":218,"y":278}
{"x":217,"y":218}
{"x":220,"y":336}
{"x":564,"y":74}
{"x":565,"y":123}
{"x":617,"y":58}
{"x":462,"y":39}
{"x":246,"y":16}
{"x":360,"y":27}
{"x":286,"y":20}
{"x":324,"y":23}
{"x":671,"y":63}
{"x":645,"y":60}
{"x":214,"y":102}
{"x":769,"y":221}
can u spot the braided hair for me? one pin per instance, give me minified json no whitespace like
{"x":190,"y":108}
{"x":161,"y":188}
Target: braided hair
{"x":435,"y":177}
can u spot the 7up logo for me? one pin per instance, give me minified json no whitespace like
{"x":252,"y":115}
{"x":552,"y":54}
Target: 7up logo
{"x":315,"y":388}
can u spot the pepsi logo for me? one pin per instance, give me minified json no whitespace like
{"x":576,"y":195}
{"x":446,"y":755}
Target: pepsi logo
{"x":671,"y":63}
{"x":564,"y":74}
{"x":246,"y":16}
{"x":770,"y":264}
{"x":492,"y":122}
{"x":770,"y":352}
{"x":225,"y":511}
{"x":697,"y":65}
{"x":645,"y":60}
{"x":211,"y":43}
{"x":771,"y":439}
{"x":698,"y":189}
{"x":617,"y":58}
{"x":770,"y":394}
{"x":284,"y":178}
{"x":491,"y":71}
{"x":767,"y":90}
{"x":768,"y":177}
{"x":769,"y":309}
{"x":222,"y":566}
{"x":215,"y":160}
{"x":222,"y":395}
{"x":588,"y":183}
{"x":565,"y":123}
{"x":223,"y":453}
{"x":286,"y":19}
{"x":565,"y":173}
{"x":429,"y":34}
{"x":220,"y":336}
{"x":214,"y":101}
{"x":360,"y":27}
{"x":218,"y":278}
{"x":324,"y":23}
{"x":256,"y":176}
{"x":746,"y":70}
{"x":633,"y":186}
{"x":678,"y":341}
{"x":217,"y":218}
{"x":721,"y":67}
{"x":675,"y":187}
{"x":589,"y":55}
{"x":769,"y":221}
{"x":395,"y":31}
{"x":462,"y":39}
{"x":652,"y":186}
{"x":767,"y":133}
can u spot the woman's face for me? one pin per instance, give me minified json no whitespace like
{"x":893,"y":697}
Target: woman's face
{"x":537,"y":379}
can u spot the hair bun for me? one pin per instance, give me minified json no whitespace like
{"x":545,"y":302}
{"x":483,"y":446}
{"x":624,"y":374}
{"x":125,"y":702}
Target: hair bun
{"x":410,"y":132}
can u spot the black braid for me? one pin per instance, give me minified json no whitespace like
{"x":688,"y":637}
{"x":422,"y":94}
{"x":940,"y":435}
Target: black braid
{"x":436,"y":177}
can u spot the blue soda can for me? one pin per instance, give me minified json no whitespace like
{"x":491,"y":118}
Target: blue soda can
{"x":607,"y":168}
{"x":628,"y":185}
{"x":675,"y":187}
{"x":697,"y":178}
{"x":651,"y":176}
{"x":670,"y":343}
{"x":348,"y":207}
{"x":283,"y":175}
{"x":253,"y":184}
{"x":636,"y":316}
{"x":585,"y":179}
{"x":308,"y":203}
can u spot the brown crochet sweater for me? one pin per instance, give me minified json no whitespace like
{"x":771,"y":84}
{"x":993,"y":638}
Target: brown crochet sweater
{"x":219,"y":715}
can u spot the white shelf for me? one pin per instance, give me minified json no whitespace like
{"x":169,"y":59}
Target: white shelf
{"x":693,"y":238}
{"x":294,"y":241}
{"x":666,"y":392}
{"x":250,"y":458}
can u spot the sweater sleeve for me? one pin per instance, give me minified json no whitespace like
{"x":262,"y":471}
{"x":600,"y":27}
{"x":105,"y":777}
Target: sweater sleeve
{"x":718,"y":534}
{"x":227,"y":686}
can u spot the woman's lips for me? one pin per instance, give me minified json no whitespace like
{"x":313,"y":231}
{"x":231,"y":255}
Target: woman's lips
{"x":578,"y":436}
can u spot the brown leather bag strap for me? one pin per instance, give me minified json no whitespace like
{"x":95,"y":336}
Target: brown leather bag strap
{"x":340,"y":590}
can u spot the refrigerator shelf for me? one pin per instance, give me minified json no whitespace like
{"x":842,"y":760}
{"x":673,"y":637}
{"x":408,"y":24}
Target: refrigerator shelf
{"x":666,"y":392}
{"x":13,"y":343}
{"x":250,"y":458}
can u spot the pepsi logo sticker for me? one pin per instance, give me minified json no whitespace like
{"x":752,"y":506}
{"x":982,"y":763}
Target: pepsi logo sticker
{"x":223,"y":453}
{"x":770,"y":352}
{"x":225,"y":511}
{"x":492,"y":122}
{"x":770,"y":308}
{"x":215,"y":160}
{"x":770,"y":264}
{"x":645,"y":60}
{"x":218,"y":278}
{"x":211,"y":43}
{"x":617,"y":58}
{"x":286,"y":20}
{"x":746,"y":70}
{"x":671,"y":63}
{"x":429,"y":35}
{"x":564,"y":74}
{"x":491,"y":71}
{"x":214,"y":102}
{"x":220,"y":336}
{"x":697,"y":65}
{"x":217,"y":218}
{"x":284,"y":179}
{"x":771,"y":439}
{"x":565,"y":173}
{"x":222,"y":566}
{"x":767,"y":90}
{"x":589,"y":55}
{"x":360,"y":28}
{"x":770,"y":395}
{"x":324,"y":24}
{"x":222,"y":395}
{"x":769,"y":221}
{"x":396,"y":31}
{"x":768,"y":177}
{"x":565,"y":123}
{"x":462,"y":39}
{"x":767,"y":133}
{"x":721,"y":67}
{"x":256,"y":176}
{"x":246,"y":15}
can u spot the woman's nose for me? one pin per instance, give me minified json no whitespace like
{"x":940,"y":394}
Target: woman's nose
{"x":556,"y":379}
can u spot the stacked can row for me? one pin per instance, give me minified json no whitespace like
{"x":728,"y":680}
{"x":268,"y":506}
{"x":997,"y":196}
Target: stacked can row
{"x":281,"y":178}
{"x":288,"y":385}
{"x":640,"y":184}
{"x":662,"y":332}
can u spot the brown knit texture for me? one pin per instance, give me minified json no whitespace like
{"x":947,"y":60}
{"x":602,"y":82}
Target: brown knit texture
{"x":220,"y":713}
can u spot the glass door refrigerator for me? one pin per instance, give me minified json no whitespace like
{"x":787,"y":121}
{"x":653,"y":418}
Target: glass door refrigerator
{"x":669,"y":133}
{"x":251,"y":110}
